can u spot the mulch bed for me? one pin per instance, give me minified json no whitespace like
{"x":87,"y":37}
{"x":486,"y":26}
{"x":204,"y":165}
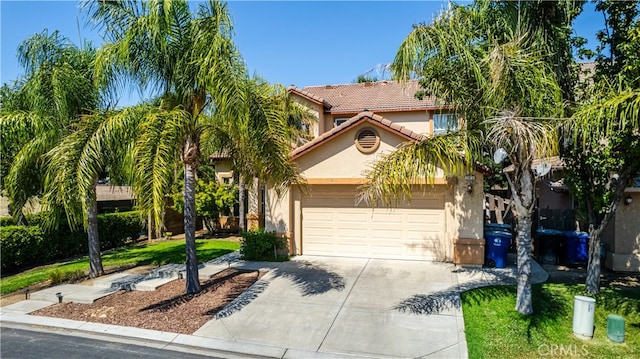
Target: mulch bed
{"x":167,"y":308}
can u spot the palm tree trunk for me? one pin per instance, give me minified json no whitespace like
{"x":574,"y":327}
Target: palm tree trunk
{"x":95,"y":260}
{"x":593,"y":268}
{"x":524,"y":303}
{"x":241,"y":209}
{"x":190,"y":166}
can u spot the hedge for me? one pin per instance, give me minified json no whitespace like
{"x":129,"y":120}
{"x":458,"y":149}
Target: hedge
{"x":33,"y":245}
{"x":261,"y":245}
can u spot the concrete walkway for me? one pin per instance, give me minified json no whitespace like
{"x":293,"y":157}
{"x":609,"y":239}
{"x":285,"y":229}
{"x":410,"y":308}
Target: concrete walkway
{"x":324,"y":307}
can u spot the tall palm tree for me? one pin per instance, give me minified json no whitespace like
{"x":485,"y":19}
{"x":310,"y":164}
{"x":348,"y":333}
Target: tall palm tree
{"x":189,"y":61}
{"x":57,"y":90}
{"x":479,"y":60}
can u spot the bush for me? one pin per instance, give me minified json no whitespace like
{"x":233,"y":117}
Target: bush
{"x":7,"y":221}
{"x":22,"y":245}
{"x":262,"y":245}
{"x":34,"y":244}
{"x":116,"y":229}
{"x":58,"y":276}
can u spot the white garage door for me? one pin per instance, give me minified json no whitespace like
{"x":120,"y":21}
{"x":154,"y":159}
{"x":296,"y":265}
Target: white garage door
{"x":335,"y":226}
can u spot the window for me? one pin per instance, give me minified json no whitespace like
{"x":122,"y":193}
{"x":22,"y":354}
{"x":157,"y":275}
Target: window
{"x":227,"y":180}
{"x":445,"y":122}
{"x":367,"y":140}
{"x":339,"y":121}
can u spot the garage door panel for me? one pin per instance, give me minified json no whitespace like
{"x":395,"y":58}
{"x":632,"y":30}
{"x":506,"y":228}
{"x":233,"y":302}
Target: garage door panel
{"x":335,"y":226}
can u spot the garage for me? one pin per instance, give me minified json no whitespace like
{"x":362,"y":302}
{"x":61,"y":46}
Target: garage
{"x":333,"y":225}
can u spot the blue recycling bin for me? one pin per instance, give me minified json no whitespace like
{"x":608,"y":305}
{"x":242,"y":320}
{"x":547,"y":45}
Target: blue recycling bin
{"x":497,"y":247}
{"x":501,"y":227}
{"x":577,"y":247}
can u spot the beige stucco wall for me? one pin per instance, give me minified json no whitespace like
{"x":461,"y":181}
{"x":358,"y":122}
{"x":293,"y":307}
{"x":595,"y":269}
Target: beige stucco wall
{"x":416,"y":121}
{"x":624,"y":250}
{"x":317,"y":110}
{"x":339,"y":158}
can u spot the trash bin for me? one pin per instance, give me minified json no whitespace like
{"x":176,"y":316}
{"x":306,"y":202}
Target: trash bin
{"x":497,"y":247}
{"x":488,"y":227}
{"x":577,"y":247}
{"x":549,"y":244}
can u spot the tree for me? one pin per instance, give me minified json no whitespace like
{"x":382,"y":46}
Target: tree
{"x":490,"y":63}
{"x":601,"y":148}
{"x":37,"y":113}
{"x":212,"y":199}
{"x":189,"y":61}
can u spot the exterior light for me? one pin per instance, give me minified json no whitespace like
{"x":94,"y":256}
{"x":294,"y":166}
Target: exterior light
{"x":470,"y":178}
{"x":59,"y":295}
{"x":627,"y":200}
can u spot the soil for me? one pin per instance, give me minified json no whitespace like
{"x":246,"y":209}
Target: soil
{"x":167,"y":308}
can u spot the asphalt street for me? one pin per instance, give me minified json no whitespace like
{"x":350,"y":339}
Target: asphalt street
{"x":25,"y":344}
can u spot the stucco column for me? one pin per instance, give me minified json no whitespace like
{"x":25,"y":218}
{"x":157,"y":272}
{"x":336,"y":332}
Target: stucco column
{"x":255,"y":217}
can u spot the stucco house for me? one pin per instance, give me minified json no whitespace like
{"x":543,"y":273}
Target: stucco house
{"x":356,"y":124}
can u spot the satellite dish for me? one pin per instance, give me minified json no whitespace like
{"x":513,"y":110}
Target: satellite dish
{"x":542,"y":168}
{"x":499,"y":156}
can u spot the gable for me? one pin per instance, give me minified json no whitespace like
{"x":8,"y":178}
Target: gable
{"x":341,"y":158}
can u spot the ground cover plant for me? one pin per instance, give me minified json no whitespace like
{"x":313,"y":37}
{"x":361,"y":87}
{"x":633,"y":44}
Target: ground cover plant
{"x":494,"y":330}
{"x":149,"y":253}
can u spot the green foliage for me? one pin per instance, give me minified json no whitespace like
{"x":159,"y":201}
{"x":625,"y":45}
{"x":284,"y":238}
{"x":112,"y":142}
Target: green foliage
{"x":262,"y":245}
{"x":212,"y":200}
{"x":494,"y":330}
{"x":7,"y":221}
{"x":153,"y":253}
{"x":117,"y":229}
{"x":21,"y":246}
{"x":37,"y":243}
{"x":58,"y":276}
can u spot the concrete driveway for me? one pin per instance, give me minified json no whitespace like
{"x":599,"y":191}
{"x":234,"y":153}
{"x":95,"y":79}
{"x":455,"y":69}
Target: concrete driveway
{"x":317,"y":306}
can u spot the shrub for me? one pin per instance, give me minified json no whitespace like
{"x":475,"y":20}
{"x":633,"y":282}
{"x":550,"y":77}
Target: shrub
{"x":7,"y":221}
{"x":116,"y":229}
{"x":22,"y":245}
{"x":58,"y":276}
{"x":262,"y":245}
{"x":35,"y":244}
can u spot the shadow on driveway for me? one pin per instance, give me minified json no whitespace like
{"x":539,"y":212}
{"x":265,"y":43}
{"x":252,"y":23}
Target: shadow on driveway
{"x":311,"y":278}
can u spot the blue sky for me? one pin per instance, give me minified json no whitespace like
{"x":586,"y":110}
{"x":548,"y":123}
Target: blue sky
{"x":290,"y":42}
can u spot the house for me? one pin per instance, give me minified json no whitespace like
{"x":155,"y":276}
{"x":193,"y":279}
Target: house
{"x":357,"y":123}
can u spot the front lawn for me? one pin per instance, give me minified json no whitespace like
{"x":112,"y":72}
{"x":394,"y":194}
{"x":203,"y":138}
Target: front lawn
{"x":151,"y":253}
{"x":495,"y":330}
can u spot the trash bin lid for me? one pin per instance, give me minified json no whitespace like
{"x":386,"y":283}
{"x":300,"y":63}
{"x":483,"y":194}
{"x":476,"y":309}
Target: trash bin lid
{"x":549,"y":232}
{"x":500,"y":234}
{"x":576,"y":234}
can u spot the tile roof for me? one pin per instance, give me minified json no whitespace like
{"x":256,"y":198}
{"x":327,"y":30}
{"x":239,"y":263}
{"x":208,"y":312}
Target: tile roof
{"x":369,"y":96}
{"x":366,"y":116}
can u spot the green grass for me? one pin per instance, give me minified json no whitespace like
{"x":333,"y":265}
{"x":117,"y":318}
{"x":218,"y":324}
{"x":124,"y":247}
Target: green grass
{"x":495,"y":330}
{"x":153,"y":253}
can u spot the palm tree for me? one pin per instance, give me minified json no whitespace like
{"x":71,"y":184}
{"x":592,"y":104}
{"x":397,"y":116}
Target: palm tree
{"x":190,"y":62}
{"x":56,"y":92}
{"x":479,"y":60}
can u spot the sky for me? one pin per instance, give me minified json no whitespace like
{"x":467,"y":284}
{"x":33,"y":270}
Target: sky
{"x":300,"y":43}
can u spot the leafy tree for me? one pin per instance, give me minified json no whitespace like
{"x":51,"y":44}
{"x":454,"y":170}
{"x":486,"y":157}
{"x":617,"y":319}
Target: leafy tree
{"x":602,"y":141}
{"x":494,"y":63}
{"x":212,"y":200}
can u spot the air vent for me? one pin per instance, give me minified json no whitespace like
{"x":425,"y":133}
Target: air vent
{"x":367,"y":140}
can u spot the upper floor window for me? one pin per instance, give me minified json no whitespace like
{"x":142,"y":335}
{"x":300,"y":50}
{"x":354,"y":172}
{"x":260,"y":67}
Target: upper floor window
{"x":445,"y":122}
{"x":339,"y":121}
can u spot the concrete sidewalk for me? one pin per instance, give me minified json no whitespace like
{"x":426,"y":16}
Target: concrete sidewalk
{"x":324,"y":307}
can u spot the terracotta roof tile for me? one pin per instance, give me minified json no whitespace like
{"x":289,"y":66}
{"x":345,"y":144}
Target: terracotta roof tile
{"x":353,"y":121}
{"x":372,"y":96}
